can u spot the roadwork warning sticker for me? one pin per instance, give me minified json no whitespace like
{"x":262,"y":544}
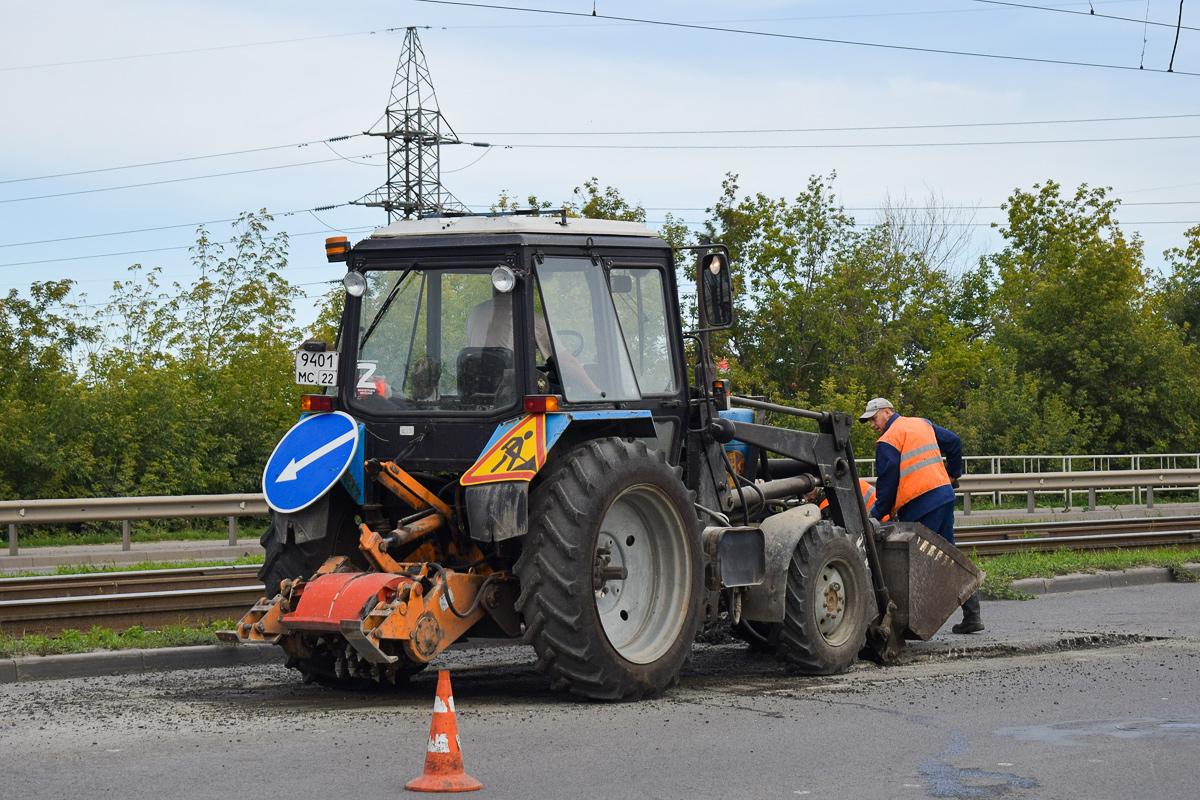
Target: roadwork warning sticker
{"x":515,"y":456}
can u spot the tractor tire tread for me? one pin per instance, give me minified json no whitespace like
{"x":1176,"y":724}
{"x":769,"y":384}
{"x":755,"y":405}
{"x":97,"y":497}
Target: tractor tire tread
{"x":799,"y":642}
{"x":555,"y":567}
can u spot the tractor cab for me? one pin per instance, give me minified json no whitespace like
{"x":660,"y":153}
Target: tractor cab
{"x":451,"y":323}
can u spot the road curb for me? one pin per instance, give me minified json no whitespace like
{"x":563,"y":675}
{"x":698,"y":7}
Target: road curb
{"x":126,"y":662}
{"x":1141,"y":576}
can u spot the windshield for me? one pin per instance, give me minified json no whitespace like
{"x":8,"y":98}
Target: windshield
{"x":434,"y":340}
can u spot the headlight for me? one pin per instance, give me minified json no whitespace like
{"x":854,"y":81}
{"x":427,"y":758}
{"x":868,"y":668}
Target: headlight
{"x":356,"y":284}
{"x":503,"y":279}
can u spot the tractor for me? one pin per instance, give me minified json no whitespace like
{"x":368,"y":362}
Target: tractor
{"x":509,"y":446}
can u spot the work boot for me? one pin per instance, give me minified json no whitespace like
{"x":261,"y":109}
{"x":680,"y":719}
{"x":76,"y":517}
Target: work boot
{"x":972,"y":621}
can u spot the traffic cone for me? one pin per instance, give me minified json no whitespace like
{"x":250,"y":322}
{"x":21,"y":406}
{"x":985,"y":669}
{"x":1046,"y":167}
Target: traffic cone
{"x":443,"y":758}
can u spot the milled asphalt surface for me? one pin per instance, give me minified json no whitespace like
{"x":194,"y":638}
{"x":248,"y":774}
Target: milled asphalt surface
{"x":1013,"y":626}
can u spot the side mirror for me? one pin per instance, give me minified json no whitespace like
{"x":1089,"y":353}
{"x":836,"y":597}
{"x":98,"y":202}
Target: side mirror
{"x":716,"y":287}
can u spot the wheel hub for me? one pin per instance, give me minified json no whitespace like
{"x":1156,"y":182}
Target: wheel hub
{"x":640,"y":574}
{"x":831,"y":600}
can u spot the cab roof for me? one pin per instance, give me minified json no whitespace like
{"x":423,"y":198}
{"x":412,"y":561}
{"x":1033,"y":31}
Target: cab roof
{"x":549,"y":225}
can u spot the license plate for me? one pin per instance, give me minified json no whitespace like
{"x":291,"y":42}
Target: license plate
{"x":317,"y":369}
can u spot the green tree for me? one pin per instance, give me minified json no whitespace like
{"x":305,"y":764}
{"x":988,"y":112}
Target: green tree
{"x":1179,"y":292}
{"x":825,"y":310}
{"x":1075,"y":321}
{"x":607,"y":203}
{"x":39,"y":385}
{"x":192,"y":387}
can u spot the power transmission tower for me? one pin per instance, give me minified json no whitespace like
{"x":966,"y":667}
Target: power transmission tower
{"x":416,"y":131}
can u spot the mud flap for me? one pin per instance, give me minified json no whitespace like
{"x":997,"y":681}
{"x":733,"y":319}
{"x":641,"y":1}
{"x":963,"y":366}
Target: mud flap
{"x":333,"y":512}
{"x":498,"y":511}
{"x":765,"y":601}
{"x":927,"y":577}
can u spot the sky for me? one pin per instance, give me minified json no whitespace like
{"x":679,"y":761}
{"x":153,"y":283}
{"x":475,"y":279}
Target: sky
{"x":956,"y":101}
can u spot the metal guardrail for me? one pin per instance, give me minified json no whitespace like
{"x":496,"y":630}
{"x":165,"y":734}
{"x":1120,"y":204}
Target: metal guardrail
{"x":29,"y":512}
{"x":1093,"y":481}
{"x":1022,"y":465}
{"x":97,"y":509}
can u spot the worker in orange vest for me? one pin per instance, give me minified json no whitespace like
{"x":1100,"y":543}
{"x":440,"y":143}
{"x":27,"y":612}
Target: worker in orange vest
{"x":868,"y":493}
{"x":912,"y":483}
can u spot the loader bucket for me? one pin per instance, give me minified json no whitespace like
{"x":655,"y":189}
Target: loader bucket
{"x":927,"y":577}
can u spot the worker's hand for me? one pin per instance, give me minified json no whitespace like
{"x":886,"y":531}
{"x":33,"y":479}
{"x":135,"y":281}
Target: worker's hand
{"x":954,"y":483}
{"x":876,"y":529}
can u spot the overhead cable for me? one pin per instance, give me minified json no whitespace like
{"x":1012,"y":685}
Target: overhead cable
{"x":177,"y":180}
{"x":1083,"y":14}
{"x":195,"y":50}
{"x":167,"y":227}
{"x":186,"y":158}
{"x":929,"y":126}
{"x":840,"y":146}
{"x":797,"y":37}
{"x":159,"y":249}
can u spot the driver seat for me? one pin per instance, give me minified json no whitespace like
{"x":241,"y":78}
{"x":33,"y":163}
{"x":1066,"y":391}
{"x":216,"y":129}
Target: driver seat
{"x":483,"y":371}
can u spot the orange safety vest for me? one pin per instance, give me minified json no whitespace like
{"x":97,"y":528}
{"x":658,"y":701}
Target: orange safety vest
{"x":921,"y":467}
{"x":868,"y":493}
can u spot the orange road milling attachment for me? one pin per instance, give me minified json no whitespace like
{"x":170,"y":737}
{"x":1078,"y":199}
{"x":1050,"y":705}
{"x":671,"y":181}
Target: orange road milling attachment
{"x":396,"y":615}
{"x":443,"y":757}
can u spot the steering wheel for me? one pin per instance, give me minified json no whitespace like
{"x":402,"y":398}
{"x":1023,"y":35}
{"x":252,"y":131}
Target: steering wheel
{"x":566,"y":333}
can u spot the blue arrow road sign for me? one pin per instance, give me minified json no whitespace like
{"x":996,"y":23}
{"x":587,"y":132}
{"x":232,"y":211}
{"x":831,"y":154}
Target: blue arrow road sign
{"x":308,"y":460}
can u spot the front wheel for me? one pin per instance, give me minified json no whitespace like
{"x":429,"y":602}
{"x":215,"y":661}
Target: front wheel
{"x":825,"y":615}
{"x":611,"y":572}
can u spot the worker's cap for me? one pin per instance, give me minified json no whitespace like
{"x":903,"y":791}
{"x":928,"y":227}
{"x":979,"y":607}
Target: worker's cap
{"x":874,"y":407}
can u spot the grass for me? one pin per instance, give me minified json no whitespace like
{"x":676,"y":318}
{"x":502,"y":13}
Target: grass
{"x":1002,"y":570}
{"x":89,"y":569}
{"x":73,"y":641}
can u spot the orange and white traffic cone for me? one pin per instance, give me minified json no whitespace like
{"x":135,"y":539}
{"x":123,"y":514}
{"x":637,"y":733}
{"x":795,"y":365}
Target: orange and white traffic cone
{"x":443,"y":758}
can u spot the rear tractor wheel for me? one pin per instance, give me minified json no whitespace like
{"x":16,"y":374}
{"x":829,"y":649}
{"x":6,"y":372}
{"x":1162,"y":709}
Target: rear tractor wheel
{"x":611,"y":572}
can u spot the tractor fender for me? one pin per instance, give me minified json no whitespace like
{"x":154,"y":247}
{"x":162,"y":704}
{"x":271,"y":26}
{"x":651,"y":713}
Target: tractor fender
{"x":781,"y":533}
{"x":497,"y":484}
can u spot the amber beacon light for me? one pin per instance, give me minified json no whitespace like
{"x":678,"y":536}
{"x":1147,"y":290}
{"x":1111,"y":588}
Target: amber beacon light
{"x":337,"y":248}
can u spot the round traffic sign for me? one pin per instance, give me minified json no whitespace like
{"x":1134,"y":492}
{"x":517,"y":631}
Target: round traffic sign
{"x":309,"y":460}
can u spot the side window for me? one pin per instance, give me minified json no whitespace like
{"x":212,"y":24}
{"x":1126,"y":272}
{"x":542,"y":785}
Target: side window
{"x":638,"y":294}
{"x":589,"y":352}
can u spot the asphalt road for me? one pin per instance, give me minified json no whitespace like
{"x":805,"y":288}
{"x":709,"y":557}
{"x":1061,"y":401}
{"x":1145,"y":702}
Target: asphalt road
{"x":1090,"y":694}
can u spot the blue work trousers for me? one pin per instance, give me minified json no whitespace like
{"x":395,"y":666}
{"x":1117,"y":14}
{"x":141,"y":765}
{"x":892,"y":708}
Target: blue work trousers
{"x":940,"y":521}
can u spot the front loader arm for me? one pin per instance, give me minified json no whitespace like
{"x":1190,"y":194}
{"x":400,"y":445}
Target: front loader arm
{"x":830,"y":453}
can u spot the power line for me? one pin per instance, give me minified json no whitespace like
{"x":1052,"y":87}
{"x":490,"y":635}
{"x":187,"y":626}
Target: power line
{"x":177,"y":180}
{"x":797,"y":37}
{"x":155,"y":250}
{"x":930,"y":126}
{"x":843,"y":129}
{"x":187,"y":158}
{"x":840,"y":146}
{"x":444,"y":27}
{"x":1084,"y":14}
{"x":166,"y":227}
{"x":193,"y":50}
{"x":926,"y":208}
